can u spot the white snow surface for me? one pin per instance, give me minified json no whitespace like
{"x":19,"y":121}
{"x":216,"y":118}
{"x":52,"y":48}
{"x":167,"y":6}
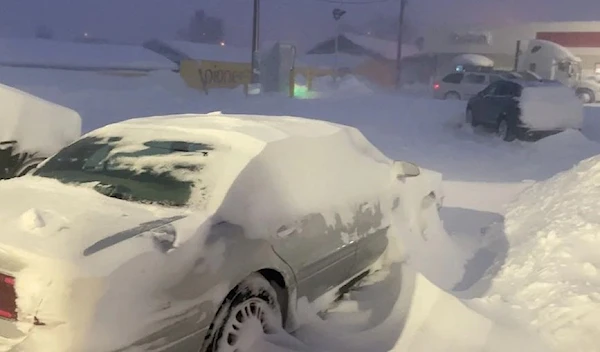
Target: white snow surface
{"x":551,"y":275}
{"x":71,"y":55}
{"x":548,"y":108}
{"x":39,"y":126}
{"x":494,"y":280}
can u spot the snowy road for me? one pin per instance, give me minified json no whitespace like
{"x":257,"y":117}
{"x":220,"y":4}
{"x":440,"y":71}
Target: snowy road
{"x":482,"y":174}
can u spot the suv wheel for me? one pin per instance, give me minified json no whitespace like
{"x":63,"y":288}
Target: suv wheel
{"x":469,"y":118}
{"x":505,"y":130}
{"x":586,"y":96}
{"x":452,"y":96}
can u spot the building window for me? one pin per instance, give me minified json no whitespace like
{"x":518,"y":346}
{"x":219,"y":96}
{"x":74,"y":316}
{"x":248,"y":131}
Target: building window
{"x":597,"y":68}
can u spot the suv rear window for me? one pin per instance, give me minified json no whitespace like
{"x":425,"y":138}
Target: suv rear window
{"x":453,"y":78}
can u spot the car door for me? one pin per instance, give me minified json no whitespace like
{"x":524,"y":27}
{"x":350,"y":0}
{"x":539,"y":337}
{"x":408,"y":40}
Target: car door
{"x":320,"y":250}
{"x":372,"y":233}
{"x":495,"y":102}
{"x":479,"y":103}
{"x":472,"y":84}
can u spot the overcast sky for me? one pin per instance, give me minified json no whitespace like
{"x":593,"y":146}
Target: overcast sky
{"x":302,"y":21}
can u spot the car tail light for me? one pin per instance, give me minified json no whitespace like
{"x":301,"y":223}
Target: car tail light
{"x":436,"y":86}
{"x":8,"y":297}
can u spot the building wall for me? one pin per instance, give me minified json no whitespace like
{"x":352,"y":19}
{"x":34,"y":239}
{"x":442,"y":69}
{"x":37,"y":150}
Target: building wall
{"x":581,"y":38}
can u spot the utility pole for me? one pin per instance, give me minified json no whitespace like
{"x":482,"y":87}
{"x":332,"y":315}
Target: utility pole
{"x":337,"y":15}
{"x":400,"y":40}
{"x":255,"y":42}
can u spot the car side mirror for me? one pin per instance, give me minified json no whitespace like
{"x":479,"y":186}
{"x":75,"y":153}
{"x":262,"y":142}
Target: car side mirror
{"x":404,"y":169}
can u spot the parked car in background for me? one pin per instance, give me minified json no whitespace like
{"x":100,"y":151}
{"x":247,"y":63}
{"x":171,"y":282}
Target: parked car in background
{"x":31,"y":130}
{"x":196,"y":232}
{"x":527,"y":110}
{"x":465,"y":85}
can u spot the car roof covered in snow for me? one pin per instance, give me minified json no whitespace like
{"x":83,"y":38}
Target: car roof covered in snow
{"x":260,"y":128}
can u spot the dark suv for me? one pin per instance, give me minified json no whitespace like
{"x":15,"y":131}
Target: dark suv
{"x":498,"y":107}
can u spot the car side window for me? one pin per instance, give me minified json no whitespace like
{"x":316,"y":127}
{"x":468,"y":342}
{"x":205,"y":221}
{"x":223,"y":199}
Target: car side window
{"x":492,"y":89}
{"x":504,"y":89}
{"x":474,"y":79}
{"x":453,"y":78}
{"x":495,"y":78}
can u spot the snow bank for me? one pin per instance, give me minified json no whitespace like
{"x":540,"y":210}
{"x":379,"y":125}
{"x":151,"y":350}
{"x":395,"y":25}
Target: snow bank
{"x":551,"y":276}
{"x":348,"y":84}
{"x":69,"y":55}
{"x":549,"y":108}
{"x":211,"y":52}
{"x":37,"y":125}
{"x":102,"y":99}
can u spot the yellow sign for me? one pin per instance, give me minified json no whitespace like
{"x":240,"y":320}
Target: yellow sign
{"x":205,"y":75}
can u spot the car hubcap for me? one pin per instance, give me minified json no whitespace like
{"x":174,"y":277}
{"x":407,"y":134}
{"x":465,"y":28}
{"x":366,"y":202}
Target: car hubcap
{"x":585,"y":97}
{"x":247,"y":322}
{"x":502,"y":129}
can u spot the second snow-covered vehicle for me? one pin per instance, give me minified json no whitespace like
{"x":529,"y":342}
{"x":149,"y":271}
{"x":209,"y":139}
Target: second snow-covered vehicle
{"x":526,"y":110}
{"x":31,"y":130}
{"x":196,"y":232}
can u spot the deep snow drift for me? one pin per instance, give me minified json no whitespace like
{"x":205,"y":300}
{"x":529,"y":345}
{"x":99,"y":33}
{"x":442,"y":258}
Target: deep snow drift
{"x":550,"y":278}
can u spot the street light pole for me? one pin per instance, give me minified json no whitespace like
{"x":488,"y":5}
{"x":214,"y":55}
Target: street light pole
{"x":400,"y":40}
{"x":337,"y":15}
{"x":255,"y":41}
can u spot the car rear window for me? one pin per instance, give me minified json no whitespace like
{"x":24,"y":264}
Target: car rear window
{"x":453,"y":78}
{"x":152,"y":171}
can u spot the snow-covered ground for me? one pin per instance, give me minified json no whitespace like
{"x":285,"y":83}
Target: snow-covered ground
{"x":513,"y":273}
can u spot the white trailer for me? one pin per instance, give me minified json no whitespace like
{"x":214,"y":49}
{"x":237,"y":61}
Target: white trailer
{"x":555,"y":62}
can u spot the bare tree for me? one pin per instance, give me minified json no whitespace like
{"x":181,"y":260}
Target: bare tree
{"x":203,"y":29}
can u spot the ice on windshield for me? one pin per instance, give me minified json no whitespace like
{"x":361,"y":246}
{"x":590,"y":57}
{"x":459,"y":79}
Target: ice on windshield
{"x":167,"y":172}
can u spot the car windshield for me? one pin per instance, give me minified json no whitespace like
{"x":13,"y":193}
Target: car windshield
{"x":155,"y":171}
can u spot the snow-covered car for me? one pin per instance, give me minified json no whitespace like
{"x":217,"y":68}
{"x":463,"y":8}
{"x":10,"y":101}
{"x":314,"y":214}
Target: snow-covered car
{"x":526,"y":110}
{"x":466,"y":84}
{"x":194,"y":232}
{"x":31,"y":130}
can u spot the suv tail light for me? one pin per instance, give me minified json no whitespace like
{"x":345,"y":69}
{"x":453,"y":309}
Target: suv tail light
{"x":436,"y":86}
{"x":8,"y":297}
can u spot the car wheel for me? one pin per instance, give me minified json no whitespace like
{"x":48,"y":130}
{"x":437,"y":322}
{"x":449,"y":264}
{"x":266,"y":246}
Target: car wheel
{"x":505,"y":130}
{"x":250,"y":310}
{"x":586,"y":96}
{"x":469,"y":118}
{"x":452,"y":96}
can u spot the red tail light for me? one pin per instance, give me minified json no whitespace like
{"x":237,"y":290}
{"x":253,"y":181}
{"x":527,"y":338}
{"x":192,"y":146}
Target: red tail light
{"x":436,"y":86}
{"x":8,"y":297}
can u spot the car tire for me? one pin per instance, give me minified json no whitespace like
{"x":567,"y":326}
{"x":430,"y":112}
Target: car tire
{"x":469,"y":118}
{"x":251,"y":306}
{"x":452,"y":96}
{"x":505,"y":129}
{"x":586,"y":96}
